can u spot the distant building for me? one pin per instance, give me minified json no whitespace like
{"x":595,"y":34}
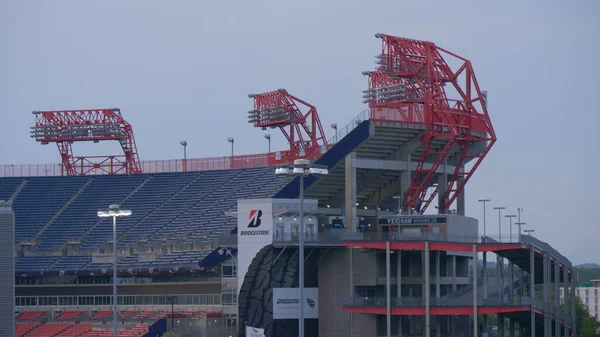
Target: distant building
{"x":589,"y":296}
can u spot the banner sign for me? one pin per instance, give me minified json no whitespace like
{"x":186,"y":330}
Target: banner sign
{"x":254,"y":332}
{"x":286,"y":303}
{"x":411,"y":220}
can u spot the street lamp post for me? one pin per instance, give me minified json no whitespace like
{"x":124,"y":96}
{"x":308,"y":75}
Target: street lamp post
{"x":268,"y":138}
{"x":172,"y":299}
{"x":529,"y":231}
{"x":114,"y":211}
{"x":301,"y":168}
{"x":230,"y":139}
{"x":484,"y":201}
{"x":184,"y":144}
{"x":499,"y":222}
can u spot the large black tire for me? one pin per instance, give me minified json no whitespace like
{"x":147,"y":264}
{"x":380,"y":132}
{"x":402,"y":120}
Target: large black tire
{"x":256,"y":295}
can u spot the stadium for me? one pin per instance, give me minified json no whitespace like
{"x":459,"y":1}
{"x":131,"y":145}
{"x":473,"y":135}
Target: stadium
{"x":212,"y":245}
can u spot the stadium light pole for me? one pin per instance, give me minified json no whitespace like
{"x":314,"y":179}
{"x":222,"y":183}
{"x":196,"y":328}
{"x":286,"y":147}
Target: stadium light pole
{"x":230,"y":139}
{"x":301,"y":168}
{"x":114,"y":211}
{"x":334,"y":127}
{"x":484,"y":201}
{"x":510,"y":217}
{"x":499,"y":222}
{"x":529,"y":231}
{"x":520,"y":224}
{"x":268,"y":138}
{"x":184,"y":144}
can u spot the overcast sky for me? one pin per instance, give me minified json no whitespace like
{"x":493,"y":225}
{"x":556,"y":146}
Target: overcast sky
{"x":183,"y":69}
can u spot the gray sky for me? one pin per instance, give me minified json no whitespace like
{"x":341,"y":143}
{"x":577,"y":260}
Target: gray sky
{"x":183,"y":69}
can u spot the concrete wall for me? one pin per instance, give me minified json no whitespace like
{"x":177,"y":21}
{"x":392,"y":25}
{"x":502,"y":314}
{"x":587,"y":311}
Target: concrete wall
{"x":334,"y":285}
{"x":7,"y":265}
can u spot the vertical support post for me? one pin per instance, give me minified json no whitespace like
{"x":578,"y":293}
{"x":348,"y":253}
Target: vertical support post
{"x":501,"y":325}
{"x":427,"y":286}
{"x":351,"y":270}
{"x":399,"y":287}
{"x":499,"y":276}
{"x":442,"y":186}
{"x":532,"y":288}
{"x":350,"y":192}
{"x":437,"y":291}
{"x":454,"y":285}
{"x":485,"y":278}
{"x":301,"y":257}
{"x":115,"y":313}
{"x":388,"y":288}
{"x":460,"y":199}
{"x":475,"y":320}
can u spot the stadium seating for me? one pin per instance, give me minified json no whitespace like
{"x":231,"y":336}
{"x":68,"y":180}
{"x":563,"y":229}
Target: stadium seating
{"x":31,"y":315}
{"x":103,"y":314}
{"x":21,"y":329}
{"x":8,"y":186}
{"x":168,"y":208}
{"x":76,"y":330}
{"x":49,"y":330}
{"x":70,"y":315}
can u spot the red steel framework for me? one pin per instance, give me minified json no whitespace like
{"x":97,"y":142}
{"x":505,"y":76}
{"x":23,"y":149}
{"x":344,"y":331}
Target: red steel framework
{"x":303,"y":131}
{"x":413,"y":77}
{"x":67,"y":126}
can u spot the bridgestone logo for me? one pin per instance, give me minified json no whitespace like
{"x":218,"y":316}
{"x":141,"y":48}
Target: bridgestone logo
{"x":288,"y":301}
{"x":261,"y":232}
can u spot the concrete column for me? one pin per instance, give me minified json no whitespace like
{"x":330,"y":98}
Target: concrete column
{"x":511,"y":324}
{"x":511,"y":284}
{"x":532,"y":288}
{"x":460,"y":199}
{"x":499,"y":277}
{"x":351,"y":270}
{"x":405,"y":183}
{"x":388,"y":288}
{"x":350,"y":192}
{"x":501,"y":325}
{"x":399,"y":286}
{"x":426,"y":285}
{"x":485,"y":278}
{"x":475,"y":303}
{"x":442,"y":187}
{"x":454,"y":285}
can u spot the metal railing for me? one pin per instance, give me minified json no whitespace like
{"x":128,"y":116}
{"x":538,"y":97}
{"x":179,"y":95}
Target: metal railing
{"x":446,"y":301}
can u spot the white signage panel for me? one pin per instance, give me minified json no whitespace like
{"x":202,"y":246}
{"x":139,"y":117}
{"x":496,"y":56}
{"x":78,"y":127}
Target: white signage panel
{"x":286,"y":303}
{"x":254,"y":332}
{"x":255,"y":231}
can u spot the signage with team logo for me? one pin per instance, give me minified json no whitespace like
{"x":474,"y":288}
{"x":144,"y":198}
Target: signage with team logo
{"x":286,"y":303}
{"x":254,"y":332}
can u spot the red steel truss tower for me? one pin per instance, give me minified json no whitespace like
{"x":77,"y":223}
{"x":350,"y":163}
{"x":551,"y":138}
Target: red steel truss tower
{"x":303,"y":130}
{"x":415,"y":76}
{"x":68,"y":126}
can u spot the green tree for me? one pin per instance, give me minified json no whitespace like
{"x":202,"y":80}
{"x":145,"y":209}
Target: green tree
{"x":589,"y":327}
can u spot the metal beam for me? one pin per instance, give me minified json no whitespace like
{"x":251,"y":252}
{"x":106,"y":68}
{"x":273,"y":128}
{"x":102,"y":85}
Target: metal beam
{"x":397,"y":165}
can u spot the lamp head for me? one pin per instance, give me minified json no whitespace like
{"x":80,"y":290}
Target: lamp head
{"x":230,"y":139}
